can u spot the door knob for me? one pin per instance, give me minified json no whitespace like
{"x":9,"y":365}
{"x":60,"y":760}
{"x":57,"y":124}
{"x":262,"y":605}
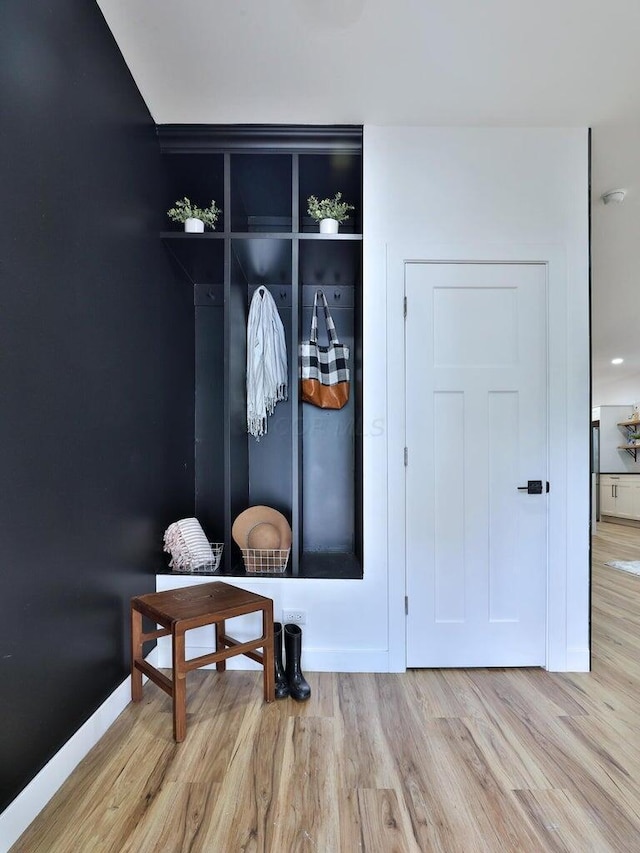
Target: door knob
{"x":533,"y":487}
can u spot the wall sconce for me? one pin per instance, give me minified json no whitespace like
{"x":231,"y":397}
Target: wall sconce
{"x":613,"y":196}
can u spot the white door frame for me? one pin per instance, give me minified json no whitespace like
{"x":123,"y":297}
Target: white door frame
{"x":560,"y":535}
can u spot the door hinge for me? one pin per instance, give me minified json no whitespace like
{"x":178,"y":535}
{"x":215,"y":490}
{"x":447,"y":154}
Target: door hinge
{"x":406,"y":456}
{"x":406,"y":605}
{"x":405,"y":306}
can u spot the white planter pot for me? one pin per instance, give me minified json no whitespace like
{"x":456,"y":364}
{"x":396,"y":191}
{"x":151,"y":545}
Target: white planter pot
{"x":195,"y":226}
{"x":329,"y":226}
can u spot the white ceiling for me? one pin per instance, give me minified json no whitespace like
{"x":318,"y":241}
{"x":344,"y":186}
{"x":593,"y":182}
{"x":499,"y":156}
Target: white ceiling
{"x":437,"y":62}
{"x":425,"y":62}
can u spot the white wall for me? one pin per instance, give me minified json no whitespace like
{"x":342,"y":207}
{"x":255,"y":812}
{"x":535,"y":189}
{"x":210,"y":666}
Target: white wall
{"x":346,"y":629}
{"x":616,"y":393}
{"x":615,"y":254}
{"x":498,"y":194}
{"x":483,"y":194}
{"x":612,"y":460}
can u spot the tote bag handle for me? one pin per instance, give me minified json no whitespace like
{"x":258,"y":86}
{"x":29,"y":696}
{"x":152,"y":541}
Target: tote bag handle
{"x":331,"y":329}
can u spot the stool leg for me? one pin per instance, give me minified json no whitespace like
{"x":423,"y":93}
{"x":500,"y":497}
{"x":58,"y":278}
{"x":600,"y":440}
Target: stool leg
{"x":267,"y":653}
{"x":221,"y":665}
{"x":179,"y":687}
{"x":136,"y":654}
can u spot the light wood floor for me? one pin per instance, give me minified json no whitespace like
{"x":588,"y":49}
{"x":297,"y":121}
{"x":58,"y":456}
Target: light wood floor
{"x":435,"y":760}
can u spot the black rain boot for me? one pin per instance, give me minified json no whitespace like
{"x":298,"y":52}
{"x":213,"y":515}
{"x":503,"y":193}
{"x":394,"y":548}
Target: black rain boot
{"x":282,"y":685}
{"x":298,"y":686}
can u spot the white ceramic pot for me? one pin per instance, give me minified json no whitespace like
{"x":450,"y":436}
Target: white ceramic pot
{"x":329,"y":226}
{"x":195,"y":226}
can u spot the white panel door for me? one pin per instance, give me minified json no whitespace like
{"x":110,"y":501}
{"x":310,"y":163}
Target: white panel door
{"x":476,"y":430}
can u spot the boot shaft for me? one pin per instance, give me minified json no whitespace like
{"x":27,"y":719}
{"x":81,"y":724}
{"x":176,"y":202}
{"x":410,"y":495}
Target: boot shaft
{"x":281,"y":683}
{"x":293,"y":648}
{"x":298,"y":686}
{"x":277,"y":644}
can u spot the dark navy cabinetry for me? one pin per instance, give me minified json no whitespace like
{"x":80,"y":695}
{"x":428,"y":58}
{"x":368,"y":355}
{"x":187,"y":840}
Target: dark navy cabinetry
{"x":309,"y":464}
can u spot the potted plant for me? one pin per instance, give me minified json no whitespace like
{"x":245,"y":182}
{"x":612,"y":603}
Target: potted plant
{"x":634,"y":438}
{"x":329,"y":212}
{"x":194,"y":217}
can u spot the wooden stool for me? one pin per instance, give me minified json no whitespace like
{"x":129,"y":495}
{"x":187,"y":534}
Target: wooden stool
{"x":178,"y":610}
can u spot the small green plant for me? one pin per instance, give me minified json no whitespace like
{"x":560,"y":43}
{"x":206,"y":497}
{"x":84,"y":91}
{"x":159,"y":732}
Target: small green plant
{"x":185,"y":209}
{"x":634,"y":436}
{"x":328,"y":208}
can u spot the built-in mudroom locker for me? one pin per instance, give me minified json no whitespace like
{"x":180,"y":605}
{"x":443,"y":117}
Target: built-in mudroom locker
{"x":309,"y":464}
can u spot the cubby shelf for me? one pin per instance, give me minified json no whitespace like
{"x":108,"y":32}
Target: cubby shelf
{"x":271,"y":235}
{"x":309,"y":465}
{"x":312,"y":235}
{"x":184,"y":235}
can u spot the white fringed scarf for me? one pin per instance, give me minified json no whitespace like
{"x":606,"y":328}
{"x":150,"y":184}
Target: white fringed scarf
{"x":266,"y":361}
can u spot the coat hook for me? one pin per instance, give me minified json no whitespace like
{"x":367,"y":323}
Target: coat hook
{"x":211,"y":294}
{"x":336,"y":294}
{"x":283,"y":295}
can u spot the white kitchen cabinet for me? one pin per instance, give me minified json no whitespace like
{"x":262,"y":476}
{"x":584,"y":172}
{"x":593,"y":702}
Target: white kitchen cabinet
{"x":620,"y":495}
{"x":607,"y":496}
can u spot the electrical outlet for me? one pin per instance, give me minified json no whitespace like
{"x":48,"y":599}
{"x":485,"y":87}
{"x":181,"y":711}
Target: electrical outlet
{"x":295,"y":617}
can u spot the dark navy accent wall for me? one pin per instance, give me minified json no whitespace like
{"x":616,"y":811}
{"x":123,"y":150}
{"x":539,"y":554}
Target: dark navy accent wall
{"x":96,"y":374}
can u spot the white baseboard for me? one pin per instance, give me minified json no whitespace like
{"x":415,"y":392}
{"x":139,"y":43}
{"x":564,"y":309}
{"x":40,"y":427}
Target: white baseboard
{"x":30,"y":802}
{"x":313,"y":660}
{"x":346,"y":660}
{"x":578,"y":659}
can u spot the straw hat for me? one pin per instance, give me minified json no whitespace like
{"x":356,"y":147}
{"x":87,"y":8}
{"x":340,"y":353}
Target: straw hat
{"x":261,"y":527}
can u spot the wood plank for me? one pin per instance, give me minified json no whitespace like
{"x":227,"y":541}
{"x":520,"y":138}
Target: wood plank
{"x":381,"y":822}
{"x":306,"y":806}
{"x":561,"y":824}
{"x":188,"y":807}
{"x":217,"y":706}
{"x":362,"y":753}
